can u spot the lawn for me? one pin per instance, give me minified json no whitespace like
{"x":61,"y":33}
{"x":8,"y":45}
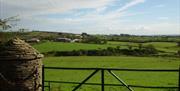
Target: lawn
{"x":133,"y":78}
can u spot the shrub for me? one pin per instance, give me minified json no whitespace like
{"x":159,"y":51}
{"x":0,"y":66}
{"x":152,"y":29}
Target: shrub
{"x":110,"y":51}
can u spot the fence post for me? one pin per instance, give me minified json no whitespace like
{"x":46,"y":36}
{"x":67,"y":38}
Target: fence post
{"x":42,"y":77}
{"x":102,"y":80}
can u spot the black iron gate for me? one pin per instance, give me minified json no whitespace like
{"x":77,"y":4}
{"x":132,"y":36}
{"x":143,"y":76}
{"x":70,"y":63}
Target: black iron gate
{"x":109,"y":70}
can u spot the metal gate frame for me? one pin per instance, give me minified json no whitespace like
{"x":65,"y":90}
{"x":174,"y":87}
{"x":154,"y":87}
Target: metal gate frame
{"x":109,"y":70}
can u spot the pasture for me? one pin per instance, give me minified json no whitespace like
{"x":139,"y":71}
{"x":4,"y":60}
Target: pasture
{"x":60,"y":46}
{"x":133,"y":78}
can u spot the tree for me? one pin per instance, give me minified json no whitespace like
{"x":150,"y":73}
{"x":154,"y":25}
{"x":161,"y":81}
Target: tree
{"x":84,"y":35}
{"x":129,"y":47}
{"x":150,"y":49}
{"x":178,"y":44}
{"x":93,"y":40}
{"x":178,"y":53}
{"x":140,"y":46}
{"x":5,"y":25}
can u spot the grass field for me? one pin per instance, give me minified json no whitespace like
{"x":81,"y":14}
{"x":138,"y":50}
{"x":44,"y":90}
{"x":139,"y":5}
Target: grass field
{"x":163,"y":46}
{"x":133,"y":78}
{"x":59,"y":46}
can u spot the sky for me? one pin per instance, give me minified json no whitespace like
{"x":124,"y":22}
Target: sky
{"x":139,"y":17}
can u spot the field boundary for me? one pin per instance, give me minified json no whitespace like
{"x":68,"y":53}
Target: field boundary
{"x":110,"y":70}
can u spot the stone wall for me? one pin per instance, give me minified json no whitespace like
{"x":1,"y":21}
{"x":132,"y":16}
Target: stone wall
{"x":20,"y":67}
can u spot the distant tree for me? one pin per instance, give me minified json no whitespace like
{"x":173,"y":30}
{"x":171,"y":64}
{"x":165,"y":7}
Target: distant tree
{"x":140,"y":46}
{"x":178,"y":53}
{"x":178,"y":43}
{"x":118,"y":47}
{"x":23,"y":30}
{"x":130,"y":47}
{"x":93,"y":40}
{"x":150,"y":49}
{"x":84,"y":35}
{"x":5,"y":24}
{"x":125,"y":35}
{"x":104,"y":41}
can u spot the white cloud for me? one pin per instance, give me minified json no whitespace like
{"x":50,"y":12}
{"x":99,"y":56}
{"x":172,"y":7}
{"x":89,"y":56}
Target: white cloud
{"x":163,"y":18}
{"x":34,"y":7}
{"x":156,"y":28}
{"x":131,"y":4}
{"x":95,"y":21}
{"x":159,"y":6}
{"x":91,"y":20}
{"x":101,"y":9}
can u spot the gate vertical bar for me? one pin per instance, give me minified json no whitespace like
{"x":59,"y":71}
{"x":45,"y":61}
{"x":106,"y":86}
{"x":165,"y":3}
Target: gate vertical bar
{"x":179,"y":79}
{"x":49,"y":86}
{"x":102,"y":80}
{"x":42,"y":77}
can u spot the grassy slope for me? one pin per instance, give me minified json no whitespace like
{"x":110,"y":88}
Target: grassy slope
{"x":134,"y":78}
{"x":165,"y":46}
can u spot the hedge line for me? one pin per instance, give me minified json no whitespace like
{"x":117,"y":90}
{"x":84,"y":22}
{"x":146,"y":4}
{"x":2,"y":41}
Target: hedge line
{"x":110,"y":51}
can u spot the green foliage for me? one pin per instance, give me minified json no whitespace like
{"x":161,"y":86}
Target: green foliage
{"x":142,"y":39}
{"x":178,"y":44}
{"x":140,"y":46}
{"x":178,"y":53}
{"x":151,"y":49}
{"x":93,"y":40}
{"x":164,"y":48}
{"x":110,"y":51}
{"x":5,"y":36}
{"x":129,"y":47}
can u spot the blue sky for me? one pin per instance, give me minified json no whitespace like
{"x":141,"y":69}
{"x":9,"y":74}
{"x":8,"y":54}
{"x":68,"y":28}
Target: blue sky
{"x":142,"y":17}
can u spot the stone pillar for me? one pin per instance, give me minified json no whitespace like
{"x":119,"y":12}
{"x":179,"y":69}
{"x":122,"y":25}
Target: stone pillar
{"x":20,"y":67}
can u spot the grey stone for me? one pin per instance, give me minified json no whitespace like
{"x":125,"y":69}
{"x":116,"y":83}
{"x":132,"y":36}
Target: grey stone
{"x":20,"y":67}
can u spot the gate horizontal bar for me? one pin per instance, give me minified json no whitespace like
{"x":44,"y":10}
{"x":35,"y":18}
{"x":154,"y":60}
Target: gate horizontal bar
{"x":118,"y":69}
{"x":136,"y":86}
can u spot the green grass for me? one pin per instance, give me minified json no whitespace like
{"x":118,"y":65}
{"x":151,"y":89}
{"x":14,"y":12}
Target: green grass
{"x":60,"y":46}
{"x":133,"y":78}
{"x":163,"y":46}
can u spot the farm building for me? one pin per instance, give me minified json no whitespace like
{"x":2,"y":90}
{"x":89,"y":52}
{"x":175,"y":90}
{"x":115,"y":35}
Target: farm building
{"x":63,"y":40}
{"x":77,"y":40}
{"x":79,"y":36}
{"x":33,"y":40}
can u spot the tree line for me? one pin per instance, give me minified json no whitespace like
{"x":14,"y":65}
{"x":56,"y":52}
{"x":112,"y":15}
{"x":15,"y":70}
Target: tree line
{"x":109,"y":51}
